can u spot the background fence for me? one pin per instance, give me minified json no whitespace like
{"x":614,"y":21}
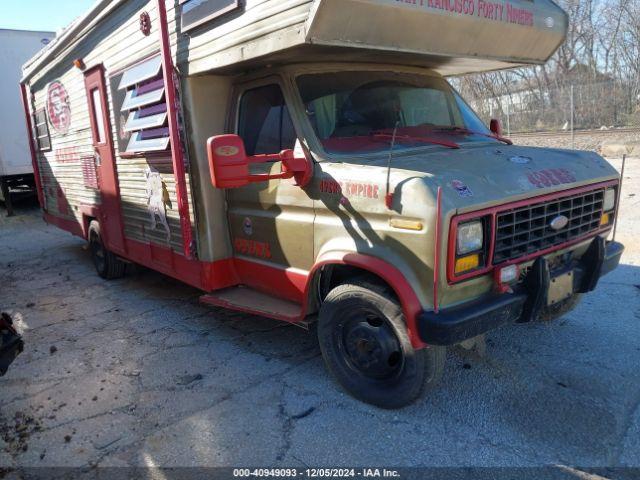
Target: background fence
{"x":583,"y":115}
{"x":601,"y":105}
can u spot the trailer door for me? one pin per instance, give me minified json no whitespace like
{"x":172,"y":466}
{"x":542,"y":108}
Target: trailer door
{"x":111,"y":227}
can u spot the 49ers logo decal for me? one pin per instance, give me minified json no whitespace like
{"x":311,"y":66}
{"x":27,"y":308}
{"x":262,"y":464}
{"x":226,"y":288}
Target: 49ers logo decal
{"x":58,"y":107}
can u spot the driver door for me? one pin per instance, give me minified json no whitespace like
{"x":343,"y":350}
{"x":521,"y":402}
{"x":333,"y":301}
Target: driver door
{"x":271,"y":223}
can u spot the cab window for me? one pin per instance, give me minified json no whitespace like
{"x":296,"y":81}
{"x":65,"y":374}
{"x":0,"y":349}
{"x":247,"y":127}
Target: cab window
{"x":264,"y":121}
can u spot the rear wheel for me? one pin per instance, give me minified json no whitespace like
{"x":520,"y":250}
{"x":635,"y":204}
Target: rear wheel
{"x":108,"y":265}
{"x":365,"y":345}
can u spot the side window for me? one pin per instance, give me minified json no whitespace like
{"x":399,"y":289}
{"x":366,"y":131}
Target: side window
{"x":264,"y":121}
{"x":43,"y":138}
{"x":471,"y":120}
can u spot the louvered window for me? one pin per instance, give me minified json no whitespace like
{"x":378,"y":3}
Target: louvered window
{"x":143,"y":110}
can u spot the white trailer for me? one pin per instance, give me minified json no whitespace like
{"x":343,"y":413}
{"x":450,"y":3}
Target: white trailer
{"x":16,"y":170}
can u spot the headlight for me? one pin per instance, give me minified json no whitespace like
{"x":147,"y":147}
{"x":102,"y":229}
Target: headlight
{"x":609,"y":199}
{"x":470,"y":237}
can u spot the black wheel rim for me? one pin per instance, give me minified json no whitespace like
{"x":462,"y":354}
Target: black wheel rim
{"x":370,"y":346}
{"x":97,"y":253}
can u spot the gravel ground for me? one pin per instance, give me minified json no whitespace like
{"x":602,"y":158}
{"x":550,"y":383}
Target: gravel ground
{"x":136,"y":372}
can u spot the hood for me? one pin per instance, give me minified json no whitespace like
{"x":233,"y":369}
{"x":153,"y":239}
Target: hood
{"x":483,"y":175}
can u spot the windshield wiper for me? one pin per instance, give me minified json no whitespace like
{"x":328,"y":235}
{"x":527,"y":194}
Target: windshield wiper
{"x":435,"y":141}
{"x":463,"y":130}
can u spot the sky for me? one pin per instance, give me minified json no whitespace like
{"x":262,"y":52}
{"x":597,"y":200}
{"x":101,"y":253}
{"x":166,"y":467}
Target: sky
{"x":41,"y":15}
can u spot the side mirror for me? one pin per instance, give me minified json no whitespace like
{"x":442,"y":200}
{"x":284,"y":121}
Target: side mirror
{"x":229,"y":164}
{"x":495,"y":127}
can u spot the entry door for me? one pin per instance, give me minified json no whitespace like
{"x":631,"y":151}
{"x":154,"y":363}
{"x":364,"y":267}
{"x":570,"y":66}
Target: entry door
{"x":111,"y":226}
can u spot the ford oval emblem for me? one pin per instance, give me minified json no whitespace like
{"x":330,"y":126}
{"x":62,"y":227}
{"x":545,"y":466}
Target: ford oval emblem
{"x":559,"y":222}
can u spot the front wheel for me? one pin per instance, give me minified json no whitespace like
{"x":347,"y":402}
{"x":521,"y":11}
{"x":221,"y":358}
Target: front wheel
{"x":365,"y":345}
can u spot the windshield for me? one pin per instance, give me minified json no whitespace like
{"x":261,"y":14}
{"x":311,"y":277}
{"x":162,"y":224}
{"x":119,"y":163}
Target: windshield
{"x":357,"y":112}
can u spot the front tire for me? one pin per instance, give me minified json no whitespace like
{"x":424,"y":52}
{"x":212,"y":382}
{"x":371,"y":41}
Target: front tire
{"x":365,"y":345}
{"x":108,"y":265}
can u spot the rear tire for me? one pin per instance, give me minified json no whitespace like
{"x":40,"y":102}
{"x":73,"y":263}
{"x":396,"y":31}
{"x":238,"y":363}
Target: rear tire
{"x":365,"y":345}
{"x":107,"y":264}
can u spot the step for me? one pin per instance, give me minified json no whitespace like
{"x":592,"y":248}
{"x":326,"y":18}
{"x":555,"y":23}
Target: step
{"x":244,"y":299}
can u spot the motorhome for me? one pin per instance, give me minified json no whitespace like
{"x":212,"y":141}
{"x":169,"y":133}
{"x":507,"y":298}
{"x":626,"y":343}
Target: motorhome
{"x":308,"y":161}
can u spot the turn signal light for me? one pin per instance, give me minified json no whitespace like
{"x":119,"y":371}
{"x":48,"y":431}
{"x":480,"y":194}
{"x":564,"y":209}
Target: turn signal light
{"x":464,"y":264}
{"x":604,"y":219}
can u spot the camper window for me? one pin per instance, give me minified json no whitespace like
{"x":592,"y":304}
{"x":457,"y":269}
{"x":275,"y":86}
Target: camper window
{"x":43,"y":138}
{"x":265,"y":124}
{"x":98,"y":118}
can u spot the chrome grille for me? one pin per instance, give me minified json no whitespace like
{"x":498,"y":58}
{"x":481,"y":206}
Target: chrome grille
{"x":526,"y":230}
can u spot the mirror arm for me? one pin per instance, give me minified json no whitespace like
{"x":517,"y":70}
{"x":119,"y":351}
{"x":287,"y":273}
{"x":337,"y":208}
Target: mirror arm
{"x":265,"y":177}
{"x":263,"y":158}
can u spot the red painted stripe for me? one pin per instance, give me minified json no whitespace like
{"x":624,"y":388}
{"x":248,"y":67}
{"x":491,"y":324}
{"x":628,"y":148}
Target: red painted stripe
{"x":409,"y":301}
{"x":288,"y":283}
{"x":436,"y":255}
{"x":206,"y":276}
{"x":174,"y":131}
{"x":69,"y":225}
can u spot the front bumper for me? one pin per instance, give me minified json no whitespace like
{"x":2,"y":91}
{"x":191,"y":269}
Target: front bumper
{"x":456,"y":324}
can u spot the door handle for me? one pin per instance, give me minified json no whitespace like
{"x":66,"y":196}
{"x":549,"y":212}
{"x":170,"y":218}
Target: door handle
{"x":96,"y":159}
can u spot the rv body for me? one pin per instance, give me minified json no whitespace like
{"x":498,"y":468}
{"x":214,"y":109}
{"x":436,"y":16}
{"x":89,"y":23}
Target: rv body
{"x":299,"y":158}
